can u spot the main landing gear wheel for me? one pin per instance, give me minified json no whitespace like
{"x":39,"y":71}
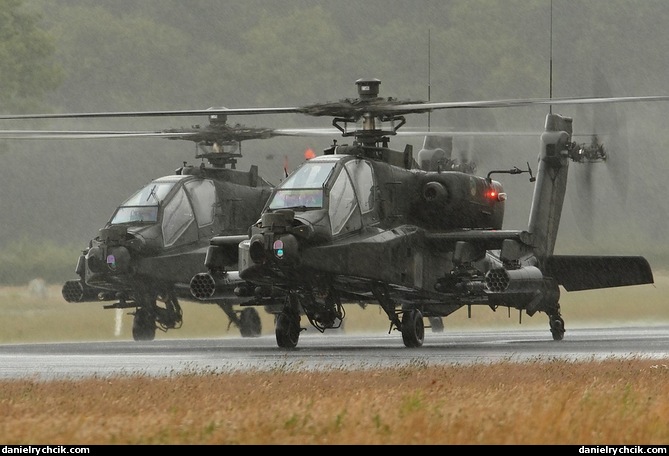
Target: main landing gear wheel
{"x":557,"y":327}
{"x":413,"y":329}
{"x":249,"y":323}
{"x":143,"y":325}
{"x":287,"y":329}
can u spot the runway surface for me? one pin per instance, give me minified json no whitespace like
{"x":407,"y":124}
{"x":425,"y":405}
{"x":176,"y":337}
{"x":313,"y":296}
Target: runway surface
{"x":324,"y":351}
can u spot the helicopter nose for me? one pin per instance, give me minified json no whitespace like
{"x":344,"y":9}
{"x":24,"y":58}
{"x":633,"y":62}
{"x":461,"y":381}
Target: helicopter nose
{"x":94,"y":260}
{"x":116,"y":260}
{"x":282,"y":248}
{"x":285,"y":248}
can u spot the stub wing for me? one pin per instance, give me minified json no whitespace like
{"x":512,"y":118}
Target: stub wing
{"x":486,"y":239}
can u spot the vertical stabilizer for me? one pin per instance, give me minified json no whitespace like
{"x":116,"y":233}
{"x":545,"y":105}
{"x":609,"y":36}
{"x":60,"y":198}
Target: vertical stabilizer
{"x":551,"y":185}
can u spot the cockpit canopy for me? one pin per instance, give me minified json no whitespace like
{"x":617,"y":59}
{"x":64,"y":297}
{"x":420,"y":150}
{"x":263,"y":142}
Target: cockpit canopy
{"x":143,"y":205}
{"x":176,"y":203}
{"x":342,"y":184}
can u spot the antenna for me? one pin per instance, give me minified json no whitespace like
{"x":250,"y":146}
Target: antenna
{"x":550,"y":69}
{"x":429,"y":83}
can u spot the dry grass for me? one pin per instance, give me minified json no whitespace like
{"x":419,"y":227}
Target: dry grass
{"x":560,"y":402}
{"x":608,"y":402}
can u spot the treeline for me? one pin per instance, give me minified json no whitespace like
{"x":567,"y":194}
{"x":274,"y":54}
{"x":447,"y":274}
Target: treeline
{"x":123,"y":55}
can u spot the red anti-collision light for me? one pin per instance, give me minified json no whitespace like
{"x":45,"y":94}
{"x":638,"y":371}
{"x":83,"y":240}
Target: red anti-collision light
{"x":494,"y":195}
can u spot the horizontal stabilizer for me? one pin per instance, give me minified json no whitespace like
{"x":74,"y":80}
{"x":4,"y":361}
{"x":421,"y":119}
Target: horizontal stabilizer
{"x":575,"y":272}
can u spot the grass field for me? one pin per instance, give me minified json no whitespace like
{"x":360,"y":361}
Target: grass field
{"x":611,"y":402}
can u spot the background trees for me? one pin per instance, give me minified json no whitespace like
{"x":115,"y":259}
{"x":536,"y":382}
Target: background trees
{"x":109,"y":55}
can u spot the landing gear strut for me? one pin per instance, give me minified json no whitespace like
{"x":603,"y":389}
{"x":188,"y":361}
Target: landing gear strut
{"x":557,"y":326}
{"x":248,"y":320}
{"x":149,"y":316}
{"x":411,"y":326}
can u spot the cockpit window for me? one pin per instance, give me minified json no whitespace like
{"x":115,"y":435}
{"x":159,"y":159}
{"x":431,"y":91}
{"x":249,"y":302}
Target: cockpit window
{"x":304,"y":188}
{"x":297,"y":198}
{"x":309,"y":175}
{"x":203,"y":195}
{"x":343,"y":210}
{"x":177,"y":217}
{"x":363,"y":181}
{"x":151,"y":195}
{"x":142,"y":207}
{"x":135,"y":214}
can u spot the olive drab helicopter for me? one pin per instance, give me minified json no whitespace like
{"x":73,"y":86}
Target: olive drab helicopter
{"x":366,"y":224}
{"x":156,"y":240}
{"x":436,"y":153}
{"x":363,"y":223}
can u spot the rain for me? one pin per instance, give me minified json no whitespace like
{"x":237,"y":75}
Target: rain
{"x":166,"y":54}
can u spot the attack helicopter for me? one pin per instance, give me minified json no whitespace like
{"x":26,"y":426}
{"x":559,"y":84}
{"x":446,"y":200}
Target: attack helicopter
{"x":156,"y":240}
{"x":364,"y":223}
{"x":367,"y":224}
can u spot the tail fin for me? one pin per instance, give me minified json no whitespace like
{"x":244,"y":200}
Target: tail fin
{"x":551,"y":185}
{"x":572,"y":272}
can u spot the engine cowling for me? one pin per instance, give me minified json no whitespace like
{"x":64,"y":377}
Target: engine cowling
{"x":452,"y":200}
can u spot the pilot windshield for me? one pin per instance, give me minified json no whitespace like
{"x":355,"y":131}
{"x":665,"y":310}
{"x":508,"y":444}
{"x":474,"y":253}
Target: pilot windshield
{"x":310,"y":175}
{"x":304,"y":188}
{"x":143,"y":205}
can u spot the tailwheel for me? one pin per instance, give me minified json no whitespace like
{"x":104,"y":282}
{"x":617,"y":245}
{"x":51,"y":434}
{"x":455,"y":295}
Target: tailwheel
{"x":557,"y":327}
{"x":413,"y":329}
{"x":143,"y":325}
{"x":249,"y":323}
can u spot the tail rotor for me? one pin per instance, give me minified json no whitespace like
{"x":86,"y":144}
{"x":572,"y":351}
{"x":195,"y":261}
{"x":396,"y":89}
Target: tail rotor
{"x":601,"y":166}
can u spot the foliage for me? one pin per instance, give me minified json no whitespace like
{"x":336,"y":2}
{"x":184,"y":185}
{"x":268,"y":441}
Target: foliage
{"x":170,"y":54}
{"x":28,"y":259}
{"x":27,"y":68}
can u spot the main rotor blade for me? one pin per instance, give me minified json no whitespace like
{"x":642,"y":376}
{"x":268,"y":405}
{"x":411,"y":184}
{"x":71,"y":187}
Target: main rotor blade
{"x":53,"y":134}
{"x":464,"y":133}
{"x":176,"y":134}
{"x":178,"y":113}
{"x":350,"y":108}
{"x":169,"y":134}
{"x":510,"y":103}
